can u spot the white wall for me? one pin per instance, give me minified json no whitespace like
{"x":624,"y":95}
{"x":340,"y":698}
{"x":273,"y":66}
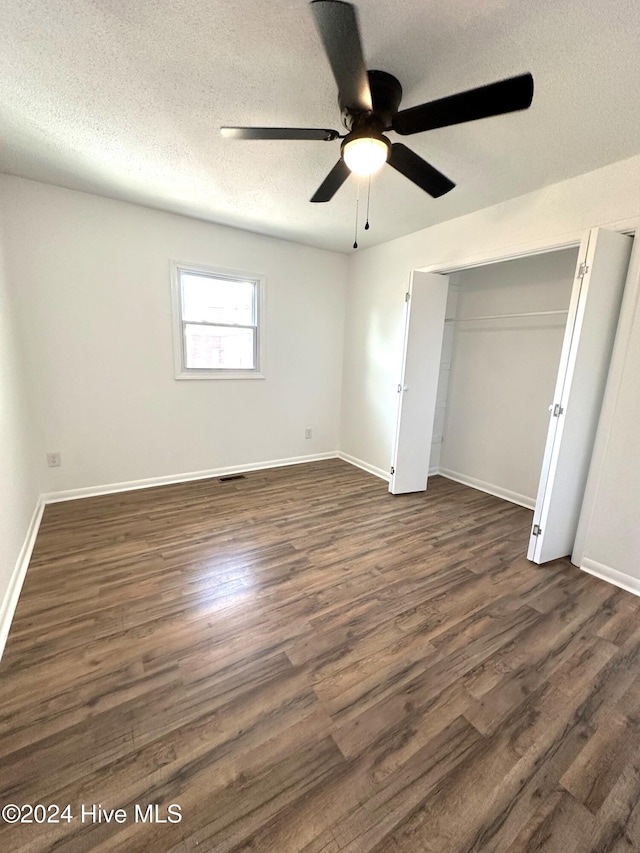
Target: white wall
{"x":93,"y":292}
{"x":18,"y":489}
{"x":503,"y":372}
{"x":553,"y":216}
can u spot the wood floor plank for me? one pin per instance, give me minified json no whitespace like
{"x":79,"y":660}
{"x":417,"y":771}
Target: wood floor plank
{"x":559,"y":824}
{"x":304,"y":662}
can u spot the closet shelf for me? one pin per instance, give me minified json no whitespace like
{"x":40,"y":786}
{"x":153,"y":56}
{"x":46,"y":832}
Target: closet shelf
{"x":505,"y":316}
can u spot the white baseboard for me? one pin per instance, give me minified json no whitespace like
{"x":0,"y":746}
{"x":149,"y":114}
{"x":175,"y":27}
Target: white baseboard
{"x":151,"y":482}
{"x":10,"y":600}
{"x":489,"y":488}
{"x":606,"y":573}
{"x":370,"y":469}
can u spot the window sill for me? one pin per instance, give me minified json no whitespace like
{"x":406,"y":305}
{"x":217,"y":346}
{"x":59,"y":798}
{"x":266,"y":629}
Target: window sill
{"x":220,"y":374}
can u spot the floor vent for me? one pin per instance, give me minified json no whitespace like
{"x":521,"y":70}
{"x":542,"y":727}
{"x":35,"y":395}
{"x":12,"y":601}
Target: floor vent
{"x":231,"y":477}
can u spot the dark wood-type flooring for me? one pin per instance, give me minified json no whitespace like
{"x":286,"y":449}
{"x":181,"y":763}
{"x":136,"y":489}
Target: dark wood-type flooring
{"x":303,"y":662}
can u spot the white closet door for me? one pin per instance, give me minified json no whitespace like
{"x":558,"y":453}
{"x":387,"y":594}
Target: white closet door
{"x":584,"y":362}
{"x":417,"y":391}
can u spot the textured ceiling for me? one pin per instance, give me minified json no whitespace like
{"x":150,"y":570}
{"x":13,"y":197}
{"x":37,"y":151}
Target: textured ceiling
{"x":126,"y":100}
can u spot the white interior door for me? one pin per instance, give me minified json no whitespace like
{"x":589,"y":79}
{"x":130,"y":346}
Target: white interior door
{"x":417,"y":391}
{"x":584,"y":362}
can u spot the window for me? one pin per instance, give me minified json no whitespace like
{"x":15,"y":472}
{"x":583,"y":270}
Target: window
{"x":217,"y":323}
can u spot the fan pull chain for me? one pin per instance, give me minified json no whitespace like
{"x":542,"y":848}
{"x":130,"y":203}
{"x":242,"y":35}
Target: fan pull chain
{"x":366,"y":225}
{"x":355,"y":237}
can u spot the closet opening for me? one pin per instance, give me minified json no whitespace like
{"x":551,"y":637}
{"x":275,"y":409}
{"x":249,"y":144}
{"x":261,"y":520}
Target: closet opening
{"x":502,"y":339}
{"x":503,"y":374}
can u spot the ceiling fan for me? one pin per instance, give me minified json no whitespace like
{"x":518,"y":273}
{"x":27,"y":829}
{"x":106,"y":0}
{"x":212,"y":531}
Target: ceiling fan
{"x":369,"y":101}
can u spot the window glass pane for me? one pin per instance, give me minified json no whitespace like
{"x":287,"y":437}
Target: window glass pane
{"x":217,"y":300}
{"x":219,"y":348}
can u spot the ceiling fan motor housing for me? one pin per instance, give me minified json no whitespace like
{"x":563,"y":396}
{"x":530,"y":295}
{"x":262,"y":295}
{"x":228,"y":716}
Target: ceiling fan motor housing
{"x":386,"y":95}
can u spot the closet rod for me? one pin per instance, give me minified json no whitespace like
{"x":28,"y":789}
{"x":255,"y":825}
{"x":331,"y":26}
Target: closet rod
{"x":505,"y":316}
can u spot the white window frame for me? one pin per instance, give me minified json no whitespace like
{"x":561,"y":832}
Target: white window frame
{"x":183,"y":372}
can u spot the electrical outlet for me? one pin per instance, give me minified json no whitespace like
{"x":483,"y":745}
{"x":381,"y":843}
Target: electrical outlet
{"x":54,"y":460}
{"x":308,"y":433}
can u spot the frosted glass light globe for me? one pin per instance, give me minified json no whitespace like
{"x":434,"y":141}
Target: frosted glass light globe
{"x":365,"y":155}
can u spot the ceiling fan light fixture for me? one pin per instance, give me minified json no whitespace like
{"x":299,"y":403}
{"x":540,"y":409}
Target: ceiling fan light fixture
{"x":369,"y":101}
{"x":365,"y":155}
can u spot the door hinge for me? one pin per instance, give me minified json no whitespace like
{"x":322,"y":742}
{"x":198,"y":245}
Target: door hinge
{"x":407,"y":296}
{"x":557,"y":410}
{"x":393,"y":470}
{"x":399,"y":388}
{"x":583,"y":269}
{"x":537,"y":530}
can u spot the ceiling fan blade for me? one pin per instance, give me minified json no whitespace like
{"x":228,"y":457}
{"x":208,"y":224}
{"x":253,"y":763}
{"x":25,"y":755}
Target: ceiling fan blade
{"x":279,"y":133}
{"x":332,"y":183}
{"x":337,"y":24}
{"x":505,"y":96}
{"x":405,"y":161}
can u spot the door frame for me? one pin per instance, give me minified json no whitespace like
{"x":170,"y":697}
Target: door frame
{"x":525,"y":251}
